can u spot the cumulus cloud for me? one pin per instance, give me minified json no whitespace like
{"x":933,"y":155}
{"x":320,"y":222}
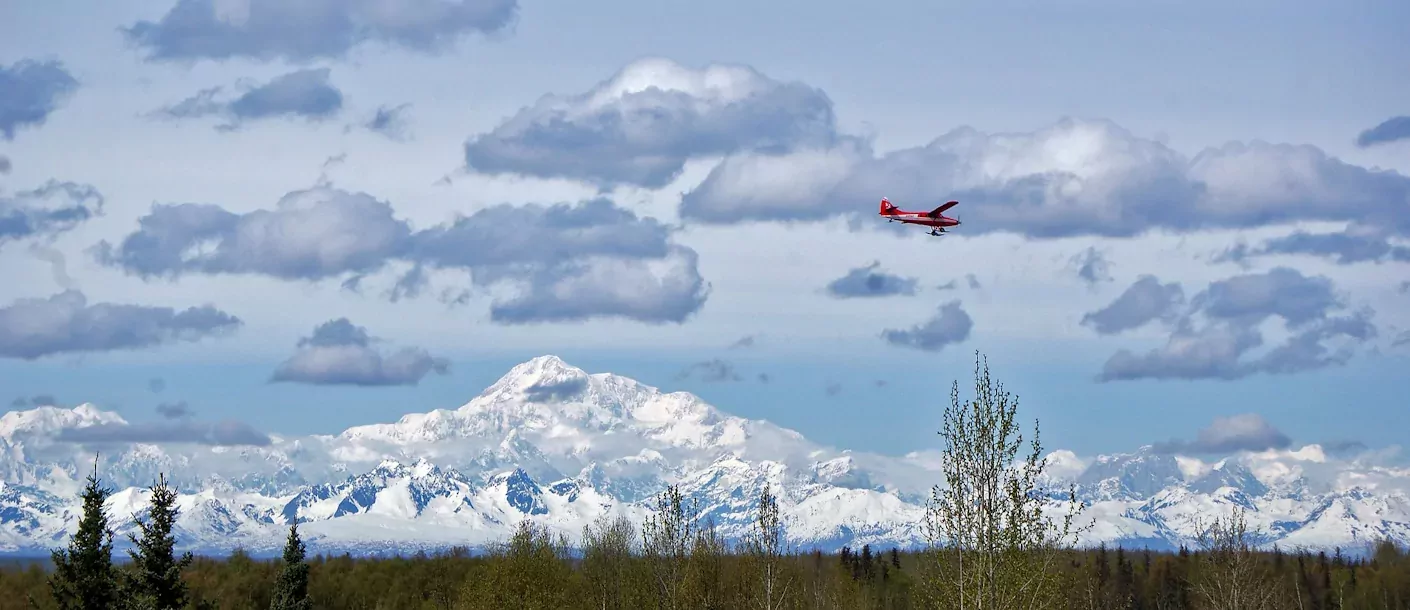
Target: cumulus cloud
{"x":557,"y":391}
{"x":67,"y":323}
{"x":1246,"y":432}
{"x":174,"y":410}
{"x":224,"y":433}
{"x":714,"y":371}
{"x":866,"y":281}
{"x":1355,"y":245}
{"x":303,"y":94}
{"x":1389,"y":130}
{"x":304,"y":30}
{"x":340,"y":353}
{"x":571,"y":262}
{"x":1073,"y":178}
{"x":1220,"y":326}
{"x":1092,"y":266}
{"x":30,"y":91}
{"x":47,"y":211}
{"x":640,"y":126}
{"x":951,"y":324}
{"x":1145,"y":300}
{"x":310,"y":234}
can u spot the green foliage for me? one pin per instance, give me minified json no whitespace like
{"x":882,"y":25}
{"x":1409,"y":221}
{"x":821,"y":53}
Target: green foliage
{"x":84,"y":576}
{"x":154,"y":581}
{"x":291,"y":590}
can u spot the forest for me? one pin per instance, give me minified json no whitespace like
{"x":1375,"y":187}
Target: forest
{"x":989,"y":546}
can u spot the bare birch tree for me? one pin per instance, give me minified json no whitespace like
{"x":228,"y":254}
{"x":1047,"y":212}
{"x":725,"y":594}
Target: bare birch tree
{"x":991,"y":545}
{"x":1231,"y":574}
{"x":766,"y":546}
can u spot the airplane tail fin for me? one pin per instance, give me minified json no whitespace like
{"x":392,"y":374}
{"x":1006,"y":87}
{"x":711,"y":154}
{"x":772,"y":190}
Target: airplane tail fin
{"x":886,"y":207}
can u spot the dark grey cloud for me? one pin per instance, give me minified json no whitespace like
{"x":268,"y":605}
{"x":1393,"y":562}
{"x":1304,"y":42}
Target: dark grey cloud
{"x":5,"y":164}
{"x":951,"y":324}
{"x":1076,"y":178}
{"x":764,"y":378}
{"x":1143,"y":301}
{"x":572,"y":262}
{"x":304,"y":30}
{"x":1284,"y":292}
{"x":1345,"y":248}
{"x":224,"y":433}
{"x":305,"y":94}
{"x":1404,"y":287}
{"x":640,"y":126}
{"x":973,"y":281}
{"x":832,"y":389}
{"x":1092,"y":266}
{"x":744,"y":342}
{"x":866,"y":281}
{"x":156,"y":384}
{"x":174,"y":410}
{"x":1401,"y":339}
{"x":390,"y":121}
{"x":1246,"y":432}
{"x":713,"y":371}
{"x":1220,"y":326}
{"x":310,"y":234}
{"x":950,"y":285}
{"x":341,"y":353}
{"x":557,"y":391}
{"x":30,"y":91}
{"x":67,"y":323}
{"x":38,"y":400}
{"x":1389,"y":130}
{"x":47,"y":211}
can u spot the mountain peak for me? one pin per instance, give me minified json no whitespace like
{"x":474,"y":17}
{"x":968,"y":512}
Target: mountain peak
{"x":546,"y":370}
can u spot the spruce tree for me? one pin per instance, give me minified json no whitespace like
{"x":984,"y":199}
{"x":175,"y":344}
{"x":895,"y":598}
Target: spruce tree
{"x":155,"y":583}
{"x":83,"y":575}
{"x":291,"y":590}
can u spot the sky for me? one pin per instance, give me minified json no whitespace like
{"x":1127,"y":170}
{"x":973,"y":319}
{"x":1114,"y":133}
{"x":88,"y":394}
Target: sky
{"x":1185,"y":224}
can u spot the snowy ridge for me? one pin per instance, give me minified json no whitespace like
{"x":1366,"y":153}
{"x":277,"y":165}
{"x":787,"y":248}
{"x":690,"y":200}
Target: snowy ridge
{"x":555,"y":444}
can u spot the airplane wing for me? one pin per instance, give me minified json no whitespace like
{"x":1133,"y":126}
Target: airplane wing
{"x":941,"y":210}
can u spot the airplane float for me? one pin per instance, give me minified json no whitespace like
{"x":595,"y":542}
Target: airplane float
{"x":935,"y":219}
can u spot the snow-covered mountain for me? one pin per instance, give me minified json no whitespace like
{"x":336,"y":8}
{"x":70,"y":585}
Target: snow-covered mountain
{"x":555,"y":444}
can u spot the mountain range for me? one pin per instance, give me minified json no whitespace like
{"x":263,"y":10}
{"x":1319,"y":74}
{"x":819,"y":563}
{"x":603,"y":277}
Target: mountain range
{"x":555,"y":444}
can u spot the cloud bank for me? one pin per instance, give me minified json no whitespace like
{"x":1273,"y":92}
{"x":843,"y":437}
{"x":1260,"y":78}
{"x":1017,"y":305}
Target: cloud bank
{"x":67,"y":323}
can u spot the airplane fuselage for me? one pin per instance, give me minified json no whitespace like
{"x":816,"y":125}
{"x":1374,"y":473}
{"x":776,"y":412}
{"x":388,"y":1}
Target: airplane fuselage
{"x":921,"y":218}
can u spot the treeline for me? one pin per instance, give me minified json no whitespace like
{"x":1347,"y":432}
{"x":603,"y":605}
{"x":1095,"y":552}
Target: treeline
{"x":989,"y":548}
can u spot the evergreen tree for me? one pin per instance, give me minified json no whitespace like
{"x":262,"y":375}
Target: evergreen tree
{"x":291,"y":590}
{"x":83,"y":575}
{"x":155,"y":580}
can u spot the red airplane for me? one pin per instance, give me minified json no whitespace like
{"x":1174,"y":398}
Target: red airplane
{"x":935,"y":219}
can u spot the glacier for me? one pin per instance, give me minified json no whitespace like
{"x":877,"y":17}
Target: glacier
{"x":554,"y":444}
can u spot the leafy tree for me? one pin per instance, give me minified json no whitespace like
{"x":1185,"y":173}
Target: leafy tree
{"x":668,"y":537}
{"x":155,"y":582}
{"x":291,"y":590}
{"x":991,"y":544}
{"x":607,"y":561}
{"x":84,"y":576}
